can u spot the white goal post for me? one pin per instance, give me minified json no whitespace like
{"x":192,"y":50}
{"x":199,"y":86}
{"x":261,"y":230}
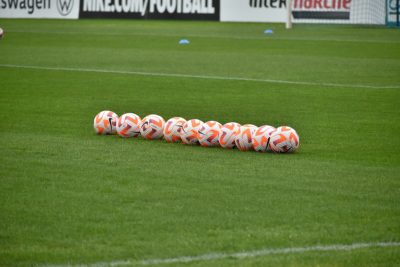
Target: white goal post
{"x":289,"y":14}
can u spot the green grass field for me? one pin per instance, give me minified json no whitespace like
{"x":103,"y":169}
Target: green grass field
{"x":68,"y":196}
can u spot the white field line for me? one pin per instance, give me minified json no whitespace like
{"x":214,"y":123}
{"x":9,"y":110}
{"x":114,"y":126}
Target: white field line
{"x":236,"y":255}
{"x":261,"y":37}
{"x":177,"y":75}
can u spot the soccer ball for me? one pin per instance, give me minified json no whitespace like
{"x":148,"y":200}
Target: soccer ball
{"x":105,"y":122}
{"x":284,"y":140}
{"x":261,"y":138}
{"x":252,"y":126}
{"x":152,"y":127}
{"x":1,"y":33}
{"x":243,"y":141}
{"x":209,"y":133}
{"x":128,"y":125}
{"x":173,"y":128}
{"x":189,"y":132}
{"x":229,"y":131}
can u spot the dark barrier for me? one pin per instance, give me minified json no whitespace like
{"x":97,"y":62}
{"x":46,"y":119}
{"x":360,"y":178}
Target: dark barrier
{"x":151,"y":9}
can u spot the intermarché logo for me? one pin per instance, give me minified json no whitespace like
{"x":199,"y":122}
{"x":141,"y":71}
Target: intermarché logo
{"x":267,"y":3}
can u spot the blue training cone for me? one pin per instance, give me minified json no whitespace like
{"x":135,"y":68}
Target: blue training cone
{"x":184,"y":41}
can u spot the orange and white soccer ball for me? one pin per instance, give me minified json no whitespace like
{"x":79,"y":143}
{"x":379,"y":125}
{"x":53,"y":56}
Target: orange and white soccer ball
{"x":189,"y":133}
{"x":152,"y":127}
{"x":209,"y":133}
{"x":261,"y":138}
{"x":105,"y":122}
{"x":229,"y":131}
{"x":173,"y":128}
{"x":284,"y":140}
{"x":128,"y":125}
{"x":243,"y":141}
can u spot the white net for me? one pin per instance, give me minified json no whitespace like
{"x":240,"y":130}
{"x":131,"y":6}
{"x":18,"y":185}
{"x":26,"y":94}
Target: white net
{"x":339,"y":11}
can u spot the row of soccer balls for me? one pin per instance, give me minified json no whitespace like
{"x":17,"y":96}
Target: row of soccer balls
{"x":246,"y":137}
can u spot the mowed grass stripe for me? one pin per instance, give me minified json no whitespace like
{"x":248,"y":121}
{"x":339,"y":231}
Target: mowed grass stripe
{"x":208,"y":36}
{"x":178,"y":75}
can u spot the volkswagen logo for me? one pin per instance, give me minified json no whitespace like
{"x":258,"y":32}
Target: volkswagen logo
{"x":65,"y":6}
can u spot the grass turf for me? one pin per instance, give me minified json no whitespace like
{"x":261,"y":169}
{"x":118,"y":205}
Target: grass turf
{"x":69,"y":196}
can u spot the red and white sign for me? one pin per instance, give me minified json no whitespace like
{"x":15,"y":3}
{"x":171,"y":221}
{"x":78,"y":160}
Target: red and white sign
{"x":339,"y":11}
{"x":305,"y":11}
{"x":321,"y":9}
